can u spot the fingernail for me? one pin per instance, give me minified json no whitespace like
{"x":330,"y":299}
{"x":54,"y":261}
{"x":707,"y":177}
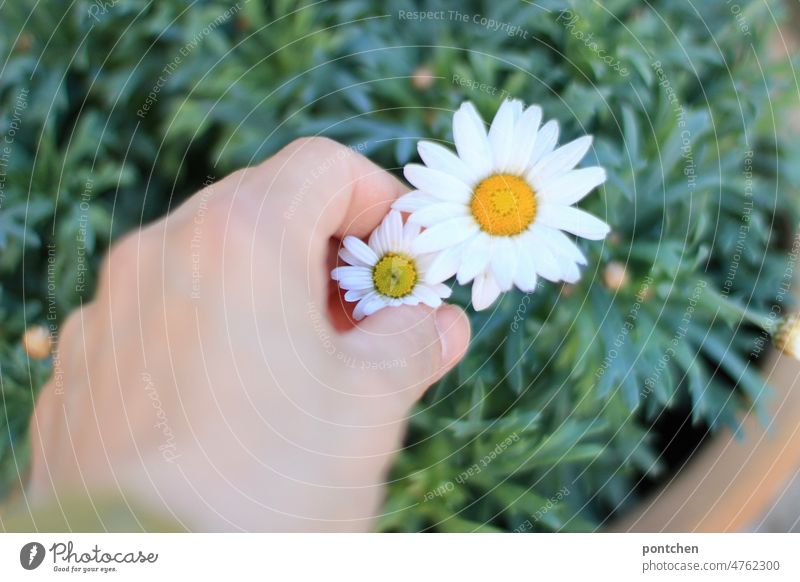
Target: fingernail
{"x":449,"y":326}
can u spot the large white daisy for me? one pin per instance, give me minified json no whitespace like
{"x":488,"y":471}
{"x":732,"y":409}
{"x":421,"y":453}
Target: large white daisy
{"x":387,"y":271}
{"x":496,"y":213}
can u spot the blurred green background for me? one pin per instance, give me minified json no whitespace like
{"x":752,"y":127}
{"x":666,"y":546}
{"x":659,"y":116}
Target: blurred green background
{"x":573,"y":401}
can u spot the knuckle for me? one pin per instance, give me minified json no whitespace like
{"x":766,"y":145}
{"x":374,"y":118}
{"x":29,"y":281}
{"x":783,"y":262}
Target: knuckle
{"x":225,"y":239}
{"x":119,"y":267}
{"x":302,"y":152}
{"x":236,"y":180}
{"x":312,"y":145}
{"x":310,"y":155}
{"x":317,"y":167}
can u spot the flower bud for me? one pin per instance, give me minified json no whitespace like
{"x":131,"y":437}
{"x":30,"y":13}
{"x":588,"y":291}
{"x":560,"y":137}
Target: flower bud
{"x":423,"y":78}
{"x":36,"y":341}
{"x":24,"y":43}
{"x":615,"y":275}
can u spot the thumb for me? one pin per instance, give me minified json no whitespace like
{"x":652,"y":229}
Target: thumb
{"x":415,"y":346}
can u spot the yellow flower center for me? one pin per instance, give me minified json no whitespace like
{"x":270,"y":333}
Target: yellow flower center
{"x":394,"y":275}
{"x":503,"y":204}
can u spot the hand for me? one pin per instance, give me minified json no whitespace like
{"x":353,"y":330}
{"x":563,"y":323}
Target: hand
{"x":217,"y":377}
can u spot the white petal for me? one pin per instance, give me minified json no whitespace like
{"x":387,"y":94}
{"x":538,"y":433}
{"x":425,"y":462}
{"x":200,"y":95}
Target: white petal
{"x":504,"y":262}
{"x":484,"y":291}
{"x":563,"y":243}
{"x":347,"y":272}
{"x":443,"y":266}
{"x":442,"y":290}
{"x":410,"y":299}
{"x":571,"y":187}
{"x":524,"y":138}
{"x":358,"y":312}
{"x":350,"y":258}
{"x":378,"y":241}
{"x":369,"y":305}
{"x":436,"y":213}
{"x":573,"y":220}
{"x":438,"y":184}
{"x":525,"y":275}
{"x":563,"y":159}
{"x":387,"y":242}
{"x":357,"y":284}
{"x":410,"y":232}
{"x":517,"y":107}
{"x":356,"y":294}
{"x":424,"y":261}
{"x":440,"y":158}
{"x":360,"y":250}
{"x":472,"y":144}
{"x":475,"y":260}
{"x":444,"y":235}
{"x":393,"y":227}
{"x":545,"y":141}
{"x":570,"y":271}
{"x":501,"y":135}
{"x":412,"y":201}
{"x":374,"y":304}
{"x":428,"y":296}
{"x":543,"y":259}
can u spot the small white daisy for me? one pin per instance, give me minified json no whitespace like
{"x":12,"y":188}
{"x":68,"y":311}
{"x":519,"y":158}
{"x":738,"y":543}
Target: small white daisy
{"x":387,"y":271}
{"x":494,"y":213}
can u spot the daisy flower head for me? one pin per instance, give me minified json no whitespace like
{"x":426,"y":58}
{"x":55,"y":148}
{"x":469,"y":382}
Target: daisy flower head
{"x":496,"y":212}
{"x":386,"y":271}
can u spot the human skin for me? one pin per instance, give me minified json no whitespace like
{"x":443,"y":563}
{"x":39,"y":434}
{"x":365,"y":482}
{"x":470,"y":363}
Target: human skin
{"x":217,"y":378}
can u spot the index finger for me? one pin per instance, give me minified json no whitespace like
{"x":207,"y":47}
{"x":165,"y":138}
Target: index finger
{"x":319,"y":190}
{"x":331,"y":189}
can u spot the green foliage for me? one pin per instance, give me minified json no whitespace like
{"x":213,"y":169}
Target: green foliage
{"x":575,"y":376}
